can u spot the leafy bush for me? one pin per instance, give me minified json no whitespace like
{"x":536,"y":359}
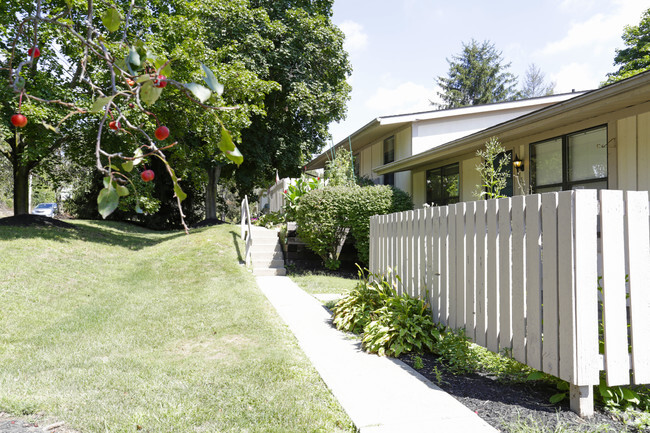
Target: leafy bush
{"x":322,"y":221}
{"x":369,"y":201}
{"x":340,"y":170}
{"x":404,"y":324}
{"x":270,"y":219}
{"x":325,"y":217}
{"x":355,"y":311}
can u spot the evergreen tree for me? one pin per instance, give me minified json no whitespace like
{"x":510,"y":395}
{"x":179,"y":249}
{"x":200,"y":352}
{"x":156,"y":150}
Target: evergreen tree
{"x":477,"y":76}
{"x":534,"y":84}
{"x":636,"y":57}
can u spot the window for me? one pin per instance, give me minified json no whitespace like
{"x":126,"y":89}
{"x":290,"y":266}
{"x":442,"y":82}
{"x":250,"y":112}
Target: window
{"x":572,"y":161}
{"x":389,"y":156}
{"x":443,"y":185}
{"x":508,"y":189}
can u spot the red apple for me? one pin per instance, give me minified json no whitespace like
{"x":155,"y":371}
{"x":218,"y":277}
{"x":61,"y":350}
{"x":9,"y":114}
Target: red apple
{"x":19,"y":120}
{"x":114,"y":124}
{"x":147,"y":175}
{"x":161,"y":133}
{"x":34,"y":52}
{"x":160,"y":81}
{"x":130,"y":82}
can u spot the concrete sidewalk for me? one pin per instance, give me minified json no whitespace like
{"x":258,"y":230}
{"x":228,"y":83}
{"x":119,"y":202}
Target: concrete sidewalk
{"x":380,"y":395}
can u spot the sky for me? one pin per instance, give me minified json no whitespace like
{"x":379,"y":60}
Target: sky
{"x":397,"y":48}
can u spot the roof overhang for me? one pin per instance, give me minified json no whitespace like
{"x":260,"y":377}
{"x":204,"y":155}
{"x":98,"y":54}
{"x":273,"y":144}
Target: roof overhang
{"x":383,"y":126}
{"x":623,"y":94}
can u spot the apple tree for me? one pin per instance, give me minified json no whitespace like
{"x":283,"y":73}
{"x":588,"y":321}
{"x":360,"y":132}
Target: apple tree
{"x":75,"y":69}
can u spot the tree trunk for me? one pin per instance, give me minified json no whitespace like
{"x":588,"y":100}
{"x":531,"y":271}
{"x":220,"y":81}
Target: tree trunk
{"x":214,"y":173}
{"x":21,"y":190}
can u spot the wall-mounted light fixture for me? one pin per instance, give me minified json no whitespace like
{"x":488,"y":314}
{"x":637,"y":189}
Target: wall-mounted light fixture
{"x":518,"y":164}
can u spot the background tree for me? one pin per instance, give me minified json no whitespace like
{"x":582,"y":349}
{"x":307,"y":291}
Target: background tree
{"x":307,"y":59}
{"x":635,"y":58}
{"x":476,"y":76}
{"x":534,"y":84}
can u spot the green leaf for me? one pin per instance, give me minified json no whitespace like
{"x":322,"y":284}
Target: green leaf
{"x":201,"y":93}
{"x":138,"y":156}
{"x":112,"y":19}
{"x":167,"y":70}
{"x":211,"y":80}
{"x":122,"y":191}
{"x":100,"y":103}
{"x":226,"y":144}
{"x":127,"y":166}
{"x":107,"y":201}
{"x":50,"y":127}
{"x":133,"y":61}
{"x":107,"y":181}
{"x":556,"y":398}
{"x":235,"y":156}
{"x":630,"y":396}
{"x":150,"y":94}
{"x":179,"y":192}
{"x":535,"y":375}
{"x":143,"y":78}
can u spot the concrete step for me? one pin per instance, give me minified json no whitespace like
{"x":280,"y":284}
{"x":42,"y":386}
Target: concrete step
{"x":270,"y":262}
{"x":266,"y":272}
{"x":266,"y":249}
{"x":264,"y":242}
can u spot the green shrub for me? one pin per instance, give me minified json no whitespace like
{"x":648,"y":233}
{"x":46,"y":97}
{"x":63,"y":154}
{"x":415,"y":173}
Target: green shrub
{"x":369,"y":201}
{"x":269,"y":220}
{"x":402,"y":325}
{"x":296,"y":191}
{"x":326,"y":216}
{"x":355,"y":311}
{"x":340,"y":170}
{"x":322,"y":221}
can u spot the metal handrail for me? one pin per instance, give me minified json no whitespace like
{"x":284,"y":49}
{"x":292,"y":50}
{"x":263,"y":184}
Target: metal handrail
{"x":246,"y":232}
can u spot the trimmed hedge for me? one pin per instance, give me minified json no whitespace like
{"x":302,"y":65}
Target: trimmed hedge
{"x":325,"y":216}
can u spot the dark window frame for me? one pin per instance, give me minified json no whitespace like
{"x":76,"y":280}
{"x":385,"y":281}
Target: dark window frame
{"x":445,"y":200}
{"x":389,"y":156}
{"x":566,"y":184}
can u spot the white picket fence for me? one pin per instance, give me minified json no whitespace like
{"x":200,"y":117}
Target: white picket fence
{"x":521,"y":274}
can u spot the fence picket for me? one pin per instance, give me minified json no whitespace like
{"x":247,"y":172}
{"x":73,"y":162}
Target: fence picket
{"x":586,"y":272}
{"x":446,"y":267}
{"x":400,"y":249}
{"x":639,"y":256}
{"x":550,"y":348}
{"x":566,"y":290}
{"x":533,"y":282}
{"x":470,"y":268}
{"x":518,"y":280}
{"x":422,"y":261}
{"x":617,"y":362}
{"x":460,"y":264}
{"x":435,"y":237}
{"x":505,"y":284}
{"x":481,"y":299}
{"x":492,"y":277}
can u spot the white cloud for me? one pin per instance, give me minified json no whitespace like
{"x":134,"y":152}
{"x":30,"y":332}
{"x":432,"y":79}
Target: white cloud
{"x":355,"y":37}
{"x":576,"y":76}
{"x":403,"y":98}
{"x":599,"y":29}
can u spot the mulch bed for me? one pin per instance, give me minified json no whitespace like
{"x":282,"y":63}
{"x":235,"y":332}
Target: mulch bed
{"x":502,"y":403}
{"x":28,"y":220}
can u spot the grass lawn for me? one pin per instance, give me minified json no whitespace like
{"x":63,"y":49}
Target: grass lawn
{"x":113,"y":328}
{"x":315,"y":283}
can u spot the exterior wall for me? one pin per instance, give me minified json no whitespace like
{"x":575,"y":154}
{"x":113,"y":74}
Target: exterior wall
{"x":403,"y":149}
{"x":628,"y":165}
{"x":428,"y":134}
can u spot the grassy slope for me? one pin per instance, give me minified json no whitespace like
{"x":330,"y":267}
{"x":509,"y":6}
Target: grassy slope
{"x":111,"y":327}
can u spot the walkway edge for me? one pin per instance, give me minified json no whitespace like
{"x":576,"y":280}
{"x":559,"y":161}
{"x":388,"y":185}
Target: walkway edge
{"x":381,"y":395}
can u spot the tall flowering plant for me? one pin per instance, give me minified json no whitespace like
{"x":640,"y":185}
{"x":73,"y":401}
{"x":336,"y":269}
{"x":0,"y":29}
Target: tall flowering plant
{"x":295,"y":191}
